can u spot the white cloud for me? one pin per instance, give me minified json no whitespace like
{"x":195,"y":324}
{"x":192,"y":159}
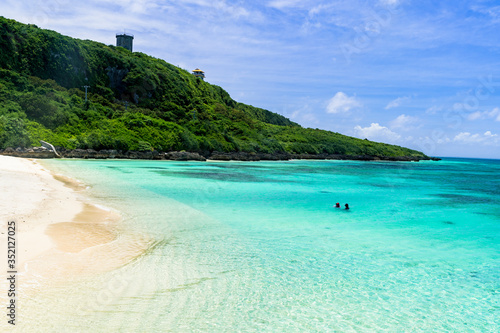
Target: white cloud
{"x":492,"y":11}
{"x":433,"y":109}
{"x":281,"y":4}
{"x":437,"y":138}
{"x":404,"y":122}
{"x":221,"y":6}
{"x":341,"y":103}
{"x":330,"y":8}
{"x":376,"y":132}
{"x":458,"y":107}
{"x":493,"y":114}
{"x":389,"y":2}
{"x":397,"y":102}
{"x":304,"y":115}
{"x":487,"y":138}
{"x":475,"y":116}
{"x":135,"y":6}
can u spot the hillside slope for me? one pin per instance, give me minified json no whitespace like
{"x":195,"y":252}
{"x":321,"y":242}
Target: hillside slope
{"x":137,"y":102}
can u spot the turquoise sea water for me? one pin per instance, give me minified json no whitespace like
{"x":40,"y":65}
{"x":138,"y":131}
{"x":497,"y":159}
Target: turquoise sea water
{"x":259,"y":247}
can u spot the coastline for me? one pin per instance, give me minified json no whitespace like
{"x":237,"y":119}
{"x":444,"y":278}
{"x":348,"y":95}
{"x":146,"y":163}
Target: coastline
{"x":60,"y":234}
{"x":44,"y":153}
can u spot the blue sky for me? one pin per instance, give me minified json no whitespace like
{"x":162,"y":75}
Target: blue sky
{"x":421,"y":74}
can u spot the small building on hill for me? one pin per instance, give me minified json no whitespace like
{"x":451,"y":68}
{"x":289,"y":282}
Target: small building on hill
{"x":199,"y":73}
{"x":125,"y":41}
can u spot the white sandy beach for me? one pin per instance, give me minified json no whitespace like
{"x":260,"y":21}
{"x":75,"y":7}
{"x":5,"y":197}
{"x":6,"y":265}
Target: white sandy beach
{"x":60,"y":234}
{"x":30,"y":196}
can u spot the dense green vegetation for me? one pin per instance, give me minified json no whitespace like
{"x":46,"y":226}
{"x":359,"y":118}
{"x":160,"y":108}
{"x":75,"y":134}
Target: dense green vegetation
{"x":136,"y":102}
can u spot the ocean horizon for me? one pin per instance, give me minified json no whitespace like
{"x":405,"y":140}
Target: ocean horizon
{"x":260,"y":247}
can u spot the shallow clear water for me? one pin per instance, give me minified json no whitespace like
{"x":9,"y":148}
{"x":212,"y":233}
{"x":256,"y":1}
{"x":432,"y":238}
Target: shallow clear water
{"x":259,"y":247}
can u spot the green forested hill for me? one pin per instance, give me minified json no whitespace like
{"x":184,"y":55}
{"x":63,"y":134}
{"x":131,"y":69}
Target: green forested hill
{"x":137,"y":102}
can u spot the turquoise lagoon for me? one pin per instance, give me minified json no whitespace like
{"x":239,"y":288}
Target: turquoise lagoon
{"x":259,"y":247}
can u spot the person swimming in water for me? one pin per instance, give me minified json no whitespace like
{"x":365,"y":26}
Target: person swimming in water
{"x":346,"y":206}
{"x":337,"y":205}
